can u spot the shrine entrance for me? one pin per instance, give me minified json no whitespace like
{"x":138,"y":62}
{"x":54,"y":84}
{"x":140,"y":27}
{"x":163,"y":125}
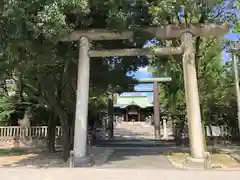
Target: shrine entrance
{"x":133,"y":109}
{"x":187,"y":34}
{"x":134,"y":114}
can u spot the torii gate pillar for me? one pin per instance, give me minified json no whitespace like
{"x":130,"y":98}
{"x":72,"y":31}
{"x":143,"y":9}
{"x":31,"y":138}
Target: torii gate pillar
{"x":157,"y":126}
{"x":192,"y":101}
{"x":81,"y":158}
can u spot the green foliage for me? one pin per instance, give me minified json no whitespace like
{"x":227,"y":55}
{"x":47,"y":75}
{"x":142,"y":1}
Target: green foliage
{"x":44,"y":70}
{"x":215,"y":80}
{"x":12,"y":151}
{"x":6,"y":108}
{"x":215,"y":83}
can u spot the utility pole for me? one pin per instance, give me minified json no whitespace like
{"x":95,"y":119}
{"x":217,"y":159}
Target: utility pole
{"x":235,"y":49}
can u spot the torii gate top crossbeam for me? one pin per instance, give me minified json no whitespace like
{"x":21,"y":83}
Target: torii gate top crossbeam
{"x":162,"y":32}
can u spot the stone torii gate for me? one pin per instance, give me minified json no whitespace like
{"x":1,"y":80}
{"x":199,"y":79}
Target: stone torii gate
{"x":155,"y":81}
{"x":165,"y":130}
{"x":190,"y":80}
{"x":155,"y":91}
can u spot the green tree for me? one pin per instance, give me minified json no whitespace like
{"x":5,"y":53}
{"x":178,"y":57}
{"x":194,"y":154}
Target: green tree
{"x":44,"y":70}
{"x":211,"y":71}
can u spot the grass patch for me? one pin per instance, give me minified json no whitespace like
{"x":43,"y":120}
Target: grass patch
{"x":225,"y":160}
{"x":12,"y":151}
{"x":217,"y":159}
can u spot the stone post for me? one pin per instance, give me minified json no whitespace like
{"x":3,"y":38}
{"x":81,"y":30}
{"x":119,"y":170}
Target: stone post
{"x":110,"y":115}
{"x":192,"y":102}
{"x":157,"y":127}
{"x":165,"y":129}
{"x":81,"y":158}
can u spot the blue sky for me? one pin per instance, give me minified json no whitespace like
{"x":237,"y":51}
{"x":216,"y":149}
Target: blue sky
{"x":143,"y":73}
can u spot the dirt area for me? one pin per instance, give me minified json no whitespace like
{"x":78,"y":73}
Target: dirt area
{"x":217,"y":159}
{"x":34,"y":155}
{"x":29,"y":158}
{"x":41,"y":158}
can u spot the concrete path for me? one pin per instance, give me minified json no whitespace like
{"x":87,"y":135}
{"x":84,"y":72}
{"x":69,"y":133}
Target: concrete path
{"x":134,"y":135}
{"x":115,"y":174}
{"x":135,"y":130}
{"x":140,"y":159}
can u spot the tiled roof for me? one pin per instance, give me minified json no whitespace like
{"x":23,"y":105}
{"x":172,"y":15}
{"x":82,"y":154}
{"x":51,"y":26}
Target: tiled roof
{"x":141,"y":101}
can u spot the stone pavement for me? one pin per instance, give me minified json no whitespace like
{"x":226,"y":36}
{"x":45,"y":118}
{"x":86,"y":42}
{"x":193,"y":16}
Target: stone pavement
{"x":135,"y":130}
{"x":137,"y":158}
{"x":134,"y":135}
{"x":133,"y":147}
{"x":115,"y":174}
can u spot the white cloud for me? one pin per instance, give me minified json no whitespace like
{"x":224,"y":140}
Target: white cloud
{"x":150,"y":99}
{"x":143,"y":94}
{"x":143,"y":69}
{"x":126,"y":94}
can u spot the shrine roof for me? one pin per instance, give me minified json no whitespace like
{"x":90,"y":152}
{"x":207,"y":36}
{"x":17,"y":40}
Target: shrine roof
{"x":141,"y":101}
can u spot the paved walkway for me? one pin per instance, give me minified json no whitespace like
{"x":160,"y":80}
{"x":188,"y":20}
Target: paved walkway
{"x":140,"y":159}
{"x":135,"y":130}
{"x":115,"y":174}
{"x":135,"y":135}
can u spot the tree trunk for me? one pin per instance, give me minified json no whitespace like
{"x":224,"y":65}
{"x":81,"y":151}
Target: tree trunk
{"x":72,"y":132}
{"x":52,"y":132}
{"x":65,"y":139}
{"x":18,"y":85}
{"x":64,"y":124}
{"x":65,"y":131}
{"x":211,"y":133}
{"x":183,"y":138}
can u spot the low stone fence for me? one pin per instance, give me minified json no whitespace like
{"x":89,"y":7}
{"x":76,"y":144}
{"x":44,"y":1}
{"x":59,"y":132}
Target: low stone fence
{"x":34,"y":131}
{"x":10,"y":136}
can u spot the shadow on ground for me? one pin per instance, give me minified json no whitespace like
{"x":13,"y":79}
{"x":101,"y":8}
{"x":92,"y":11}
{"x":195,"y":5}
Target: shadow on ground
{"x":129,"y":150}
{"x":138,"y":158}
